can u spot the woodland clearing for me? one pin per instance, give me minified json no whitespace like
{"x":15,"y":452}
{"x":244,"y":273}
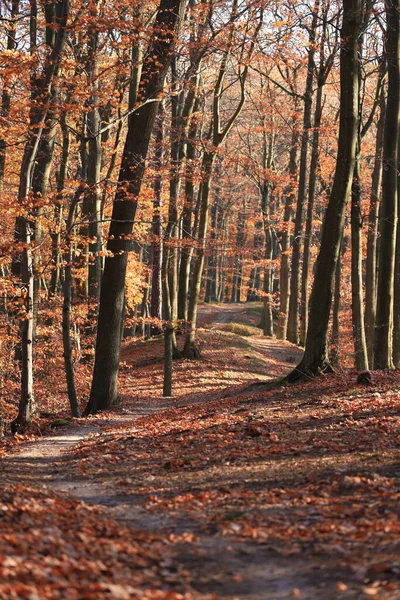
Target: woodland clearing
{"x":212,"y":493}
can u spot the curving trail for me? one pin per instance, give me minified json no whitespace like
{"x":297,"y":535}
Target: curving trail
{"x":227,"y":567}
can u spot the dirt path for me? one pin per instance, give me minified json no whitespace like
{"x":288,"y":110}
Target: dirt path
{"x":248,"y":570}
{"x":229,"y":569}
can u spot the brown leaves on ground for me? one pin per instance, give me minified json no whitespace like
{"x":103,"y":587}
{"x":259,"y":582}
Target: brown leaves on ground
{"x":57,"y":548}
{"x":308,"y":470}
{"x":306,"y":476}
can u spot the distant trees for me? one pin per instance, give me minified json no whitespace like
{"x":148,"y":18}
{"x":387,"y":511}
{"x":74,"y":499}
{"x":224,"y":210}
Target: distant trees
{"x":153,"y":156}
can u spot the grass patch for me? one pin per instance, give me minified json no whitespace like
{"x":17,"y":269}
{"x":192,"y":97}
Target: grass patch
{"x":239,"y":329}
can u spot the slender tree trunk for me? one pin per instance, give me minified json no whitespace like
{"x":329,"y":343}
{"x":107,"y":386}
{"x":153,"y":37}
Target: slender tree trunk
{"x":190,"y":349}
{"x":357,"y":305}
{"x":168,"y":361}
{"x":315,"y":359}
{"x":284,"y":273}
{"x":211,"y":281}
{"x":58,"y":209}
{"x":268,"y":316}
{"x":292,"y":327}
{"x":92,"y":200}
{"x":23,"y":228}
{"x":6,"y":96}
{"x":171,"y":232}
{"x":104,"y":390}
{"x":310,"y":213}
{"x":187,"y":229}
{"x":156,"y":230}
{"x":335,"y":337}
{"x":238,"y":264}
{"x":396,"y":320}
{"x":372,"y":236}
{"x":66,"y":314}
{"x":388,"y":214}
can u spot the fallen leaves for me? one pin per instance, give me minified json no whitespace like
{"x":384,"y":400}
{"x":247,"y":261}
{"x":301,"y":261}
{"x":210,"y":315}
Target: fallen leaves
{"x":57,"y":548}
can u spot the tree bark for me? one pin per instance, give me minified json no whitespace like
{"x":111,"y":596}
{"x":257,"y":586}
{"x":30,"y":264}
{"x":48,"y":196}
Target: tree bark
{"x":22,"y":226}
{"x":168,"y":360}
{"x":6,"y":96}
{"x":357,"y":305}
{"x":324,"y":69}
{"x":383,"y":355}
{"x":91,"y":207}
{"x":156,"y":230}
{"x":372,"y":235}
{"x":66,"y":311}
{"x":315,"y":359}
{"x":104,"y":391}
{"x":396,"y":320}
{"x":293,"y":323}
{"x":335,"y":337}
{"x":284,"y":273}
{"x":190,"y":350}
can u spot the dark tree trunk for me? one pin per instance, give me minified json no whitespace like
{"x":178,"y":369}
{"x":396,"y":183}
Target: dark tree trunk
{"x":284,"y":273}
{"x":156,"y":230}
{"x":92,"y":201}
{"x":190,"y":349}
{"x":335,"y":336}
{"x":187,"y":246}
{"x":372,"y":236}
{"x":22,"y":226}
{"x":396,"y":320}
{"x":66,"y":314}
{"x":211,"y":280}
{"x":58,"y":209}
{"x":357,"y":305}
{"x":6,"y":96}
{"x":168,"y":360}
{"x":268,"y":317}
{"x":316,"y":358}
{"x":104,"y":392}
{"x":388,"y":214}
{"x":310,"y":209}
{"x":292,"y":327}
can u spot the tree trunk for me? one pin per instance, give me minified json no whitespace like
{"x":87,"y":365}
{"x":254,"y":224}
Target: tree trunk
{"x":104,"y":390}
{"x":211,"y":280}
{"x":396,"y":320}
{"x":190,"y":350}
{"x":357,"y":305}
{"x":156,"y":230}
{"x":388,"y":214}
{"x":66,"y":314}
{"x":372,"y":235}
{"x":292,"y":327}
{"x":268,"y":316}
{"x":284,"y":273}
{"x":92,"y":201}
{"x":6,"y":96}
{"x":310,"y":213}
{"x":22,"y":226}
{"x":335,"y":337}
{"x":315,"y":359}
{"x":187,"y":248}
{"x":58,"y":209}
{"x":168,"y":361}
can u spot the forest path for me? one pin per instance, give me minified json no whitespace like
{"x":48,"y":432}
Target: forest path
{"x":230,"y":569}
{"x":202,"y":470}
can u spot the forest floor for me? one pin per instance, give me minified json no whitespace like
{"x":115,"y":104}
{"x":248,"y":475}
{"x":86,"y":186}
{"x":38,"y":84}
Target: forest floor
{"x":215,"y":492}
